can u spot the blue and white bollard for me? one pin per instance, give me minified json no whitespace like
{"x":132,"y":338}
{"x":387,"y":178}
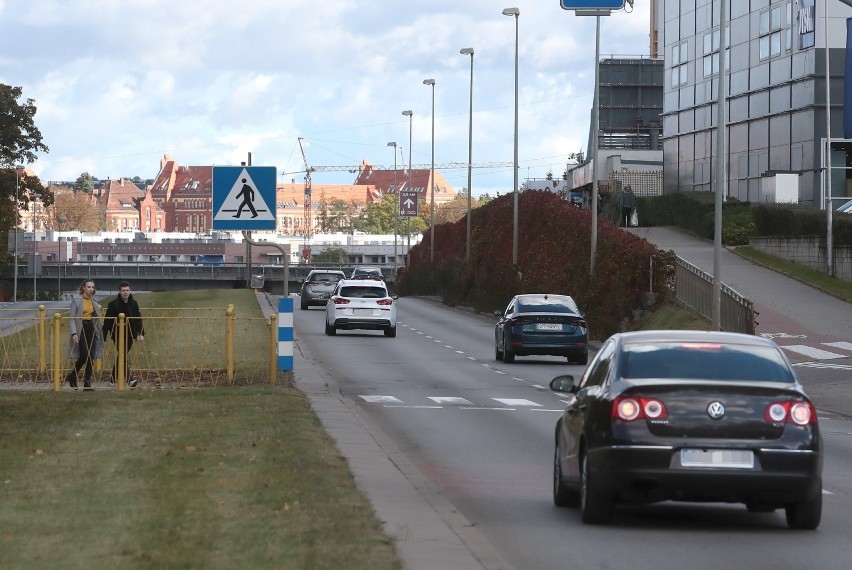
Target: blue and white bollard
{"x":285,"y":333}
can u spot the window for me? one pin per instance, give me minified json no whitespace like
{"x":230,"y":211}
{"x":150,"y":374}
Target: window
{"x":771,"y":35}
{"x":679,"y":61}
{"x":710,"y":61}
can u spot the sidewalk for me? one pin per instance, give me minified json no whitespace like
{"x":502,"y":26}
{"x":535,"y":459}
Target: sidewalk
{"x":813,"y":327}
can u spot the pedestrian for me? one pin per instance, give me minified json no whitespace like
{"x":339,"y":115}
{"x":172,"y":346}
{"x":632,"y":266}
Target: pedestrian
{"x":627,"y":202}
{"x":87,"y":342}
{"x":124,"y":303}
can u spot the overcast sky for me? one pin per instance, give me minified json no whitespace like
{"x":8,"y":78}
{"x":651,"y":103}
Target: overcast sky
{"x":120,"y":83}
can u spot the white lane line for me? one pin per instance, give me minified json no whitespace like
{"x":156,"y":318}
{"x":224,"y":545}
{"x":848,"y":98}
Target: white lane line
{"x":460,"y":352}
{"x":500,"y":372}
{"x":414,"y":407}
{"x":492,"y":409}
{"x":546,"y":410}
{"x":826,"y":492}
{"x":418,"y":332}
{"x":455,"y":400}
{"x":516,"y":402}
{"x":824,"y":365}
{"x":812,"y":352}
{"x":471,"y":357}
{"x":428,"y":336}
{"x":518,"y":379}
{"x":448,"y":346}
{"x":436,"y":340}
{"x":539,"y":387}
{"x":381,"y":399}
{"x":840,"y":345}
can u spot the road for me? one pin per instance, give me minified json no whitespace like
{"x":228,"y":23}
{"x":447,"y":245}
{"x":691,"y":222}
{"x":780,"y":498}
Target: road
{"x":472,"y":439}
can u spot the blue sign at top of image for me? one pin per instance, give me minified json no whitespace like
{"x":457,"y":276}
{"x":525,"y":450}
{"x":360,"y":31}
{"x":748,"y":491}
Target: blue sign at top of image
{"x":592,"y":4}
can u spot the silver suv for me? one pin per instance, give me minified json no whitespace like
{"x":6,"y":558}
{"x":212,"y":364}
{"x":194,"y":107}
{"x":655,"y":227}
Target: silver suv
{"x":318,"y":287}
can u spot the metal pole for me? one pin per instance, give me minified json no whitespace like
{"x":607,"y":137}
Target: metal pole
{"x":432,"y":178}
{"x":516,"y":13}
{"x":721,"y":174}
{"x":17,"y":191}
{"x":595,"y":143}
{"x":35,"y":250}
{"x":396,"y":212}
{"x":469,"y":51}
{"x":829,"y":205}
{"x":410,"y":116}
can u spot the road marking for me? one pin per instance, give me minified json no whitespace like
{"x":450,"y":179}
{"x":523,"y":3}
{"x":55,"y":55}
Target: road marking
{"x":415,"y":407}
{"x":471,"y":358}
{"x":493,"y":409}
{"x":546,"y":410}
{"x":840,"y":345}
{"x":451,"y":400}
{"x":516,"y":402}
{"x":824,"y":365}
{"x":500,"y":372}
{"x":381,"y":399}
{"x":448,"y":346}
{"x":812,"y":352}
{"x":459,"y":352}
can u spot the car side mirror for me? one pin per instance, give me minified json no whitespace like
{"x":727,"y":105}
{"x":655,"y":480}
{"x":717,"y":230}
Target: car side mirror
{"x":564,"y":383}
{"x":498,"y":314}
{"x":394,"y":296}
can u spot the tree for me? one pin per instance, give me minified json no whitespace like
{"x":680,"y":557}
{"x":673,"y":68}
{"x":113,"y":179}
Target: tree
{"x":20,"y":140}
{"x":75,"y":211}
{"x":84,"y":183}
{"x":330,"y":255}
{"x":337,"y":215}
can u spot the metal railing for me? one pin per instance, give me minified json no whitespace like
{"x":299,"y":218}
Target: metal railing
{"x":694,"y":288}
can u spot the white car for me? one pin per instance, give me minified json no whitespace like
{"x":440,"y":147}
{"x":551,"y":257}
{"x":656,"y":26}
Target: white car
{"x":361,"y":304}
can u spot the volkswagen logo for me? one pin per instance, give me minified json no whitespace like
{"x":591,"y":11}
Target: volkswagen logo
{"x":716,"y":410}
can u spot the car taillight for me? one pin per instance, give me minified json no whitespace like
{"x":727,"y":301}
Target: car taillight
{"x":311,"y":282}
{"x":340,"y":300}
{"x":385,"y":301}
{"x":516,"y":321}
{"x":799,"y":413}
{"x":629,"y":409}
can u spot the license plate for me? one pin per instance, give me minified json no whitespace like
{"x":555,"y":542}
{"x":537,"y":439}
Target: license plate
{"x":728,"y":458}
{"x":362,"y":311}
{"x":548,"y":327}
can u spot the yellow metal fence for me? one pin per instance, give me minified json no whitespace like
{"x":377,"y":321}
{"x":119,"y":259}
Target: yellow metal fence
{"x":182,"y":347}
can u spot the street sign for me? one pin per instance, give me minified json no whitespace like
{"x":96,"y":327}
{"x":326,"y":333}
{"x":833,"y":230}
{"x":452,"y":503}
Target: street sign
{"x":408,"y":205}
{"x":244,"y":197}
{"x":592,"y":4}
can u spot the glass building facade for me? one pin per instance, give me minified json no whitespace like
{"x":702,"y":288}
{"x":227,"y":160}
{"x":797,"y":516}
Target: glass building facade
{"x":776,"y":94}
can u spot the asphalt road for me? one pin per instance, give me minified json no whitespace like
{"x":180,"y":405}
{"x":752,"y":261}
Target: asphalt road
{"x":471,"y":440}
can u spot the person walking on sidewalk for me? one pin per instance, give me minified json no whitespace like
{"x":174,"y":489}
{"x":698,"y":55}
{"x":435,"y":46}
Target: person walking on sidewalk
{"x":627,"y":202}
{"x":134,"y":330}
{"x":87,"y":343}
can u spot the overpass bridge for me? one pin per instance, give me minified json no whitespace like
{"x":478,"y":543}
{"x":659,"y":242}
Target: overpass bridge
{"x":58,"y":277}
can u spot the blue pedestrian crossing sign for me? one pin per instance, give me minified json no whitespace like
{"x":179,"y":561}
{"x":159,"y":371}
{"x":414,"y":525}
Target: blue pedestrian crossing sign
{"x":593,"y":4}
{"x":244,"y":197}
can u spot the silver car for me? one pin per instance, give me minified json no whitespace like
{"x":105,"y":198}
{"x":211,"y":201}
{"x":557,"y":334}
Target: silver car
{"x":318,"y":287}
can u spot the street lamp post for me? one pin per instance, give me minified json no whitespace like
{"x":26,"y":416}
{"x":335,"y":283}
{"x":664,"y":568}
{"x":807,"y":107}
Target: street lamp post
{"x":410,"y":115}
{"x":18,"y":169}
{"x":60,"y":220}
{"x":35,"y":250}
{"x":469,"y":51}
{"x":396,"y":212}
{"x":515,"y":12}
{"x":432,"y":178}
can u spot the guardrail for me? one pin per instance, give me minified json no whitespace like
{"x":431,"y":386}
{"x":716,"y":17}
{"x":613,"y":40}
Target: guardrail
{"x":694,"y":288}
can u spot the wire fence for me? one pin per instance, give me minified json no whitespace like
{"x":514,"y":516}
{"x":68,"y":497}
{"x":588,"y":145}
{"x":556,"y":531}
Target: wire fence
{"x":182,"y":347}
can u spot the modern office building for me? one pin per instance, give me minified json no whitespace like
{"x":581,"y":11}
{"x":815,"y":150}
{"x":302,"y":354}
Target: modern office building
{"x":775,"y":100}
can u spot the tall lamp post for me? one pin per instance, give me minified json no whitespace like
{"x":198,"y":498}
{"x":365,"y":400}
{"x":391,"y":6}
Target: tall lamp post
{"x":515,"y":12}
{"x":35,"y":250}
{"x":60,"y":220}
{"x":432,"y":178}
{"x":410,"y":115}
{"x":469,"y":51}
{"x":396,"y":212}
{"x":18,"y":170}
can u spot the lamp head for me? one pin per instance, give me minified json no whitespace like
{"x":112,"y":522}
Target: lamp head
{"x":429,"y":82}
{"x":511,"y":12}
{"x":408,"y":113}
{"x":393,"y":144}
{"x":466,"y":51}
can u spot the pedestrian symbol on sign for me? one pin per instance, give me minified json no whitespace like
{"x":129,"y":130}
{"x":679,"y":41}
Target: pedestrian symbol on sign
{"x":247,"y":193}
{"x":244,"y":201}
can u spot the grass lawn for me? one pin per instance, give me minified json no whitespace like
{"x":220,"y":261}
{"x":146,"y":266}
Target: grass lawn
{"x":209,"y":477}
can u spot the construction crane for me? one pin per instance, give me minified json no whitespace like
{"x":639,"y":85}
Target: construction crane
{"x":442,"y":166}
{"x":308,"y":214}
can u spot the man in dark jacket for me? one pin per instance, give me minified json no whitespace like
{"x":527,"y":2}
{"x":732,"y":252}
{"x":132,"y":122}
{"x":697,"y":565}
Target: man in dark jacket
{"x":124,"y":303}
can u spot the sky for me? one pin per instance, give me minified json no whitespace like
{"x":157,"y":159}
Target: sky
{"x":118,"y":84}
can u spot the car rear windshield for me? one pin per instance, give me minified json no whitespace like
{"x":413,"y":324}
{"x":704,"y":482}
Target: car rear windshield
{"x":333,"y":277}
{"x":704,"y":361}
{"x":547,"y":306}
{"x":360,"y":292}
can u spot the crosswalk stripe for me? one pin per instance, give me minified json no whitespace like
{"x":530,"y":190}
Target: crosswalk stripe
{"x":516,"y":402}
{"x":812,"y":352}
{"x":823,"y":365}
{"x":450,"y":400}
{"x":381,"y":399}
{"x":840,"y":345}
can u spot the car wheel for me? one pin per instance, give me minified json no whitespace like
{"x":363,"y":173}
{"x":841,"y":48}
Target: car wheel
{"x":594,"y":508}
{"x":330,"y":330}
{"x":805,"y":514}
{"x":508,"y":355}
{"x":562,"y":495}
{"x":305,"y":305}
{"x":498,"y":354}
{"x":390,"y":331}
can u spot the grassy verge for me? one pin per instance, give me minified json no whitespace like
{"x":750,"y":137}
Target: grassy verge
{"x":200,"y":478}
{"x":832,"y":285}
{"x":671,"y":315}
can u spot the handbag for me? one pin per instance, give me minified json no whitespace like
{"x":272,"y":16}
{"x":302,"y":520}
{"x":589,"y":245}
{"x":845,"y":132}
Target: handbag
{"x":634,"y":219}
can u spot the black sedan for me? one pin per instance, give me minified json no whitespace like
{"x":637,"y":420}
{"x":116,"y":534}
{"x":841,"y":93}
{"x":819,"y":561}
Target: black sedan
{"x":688,"y":416}
{"x":541,"y":325}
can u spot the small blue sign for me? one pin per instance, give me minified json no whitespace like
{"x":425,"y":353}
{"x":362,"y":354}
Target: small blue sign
{"x":244,"y":197}
{"x":592,"y":4}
